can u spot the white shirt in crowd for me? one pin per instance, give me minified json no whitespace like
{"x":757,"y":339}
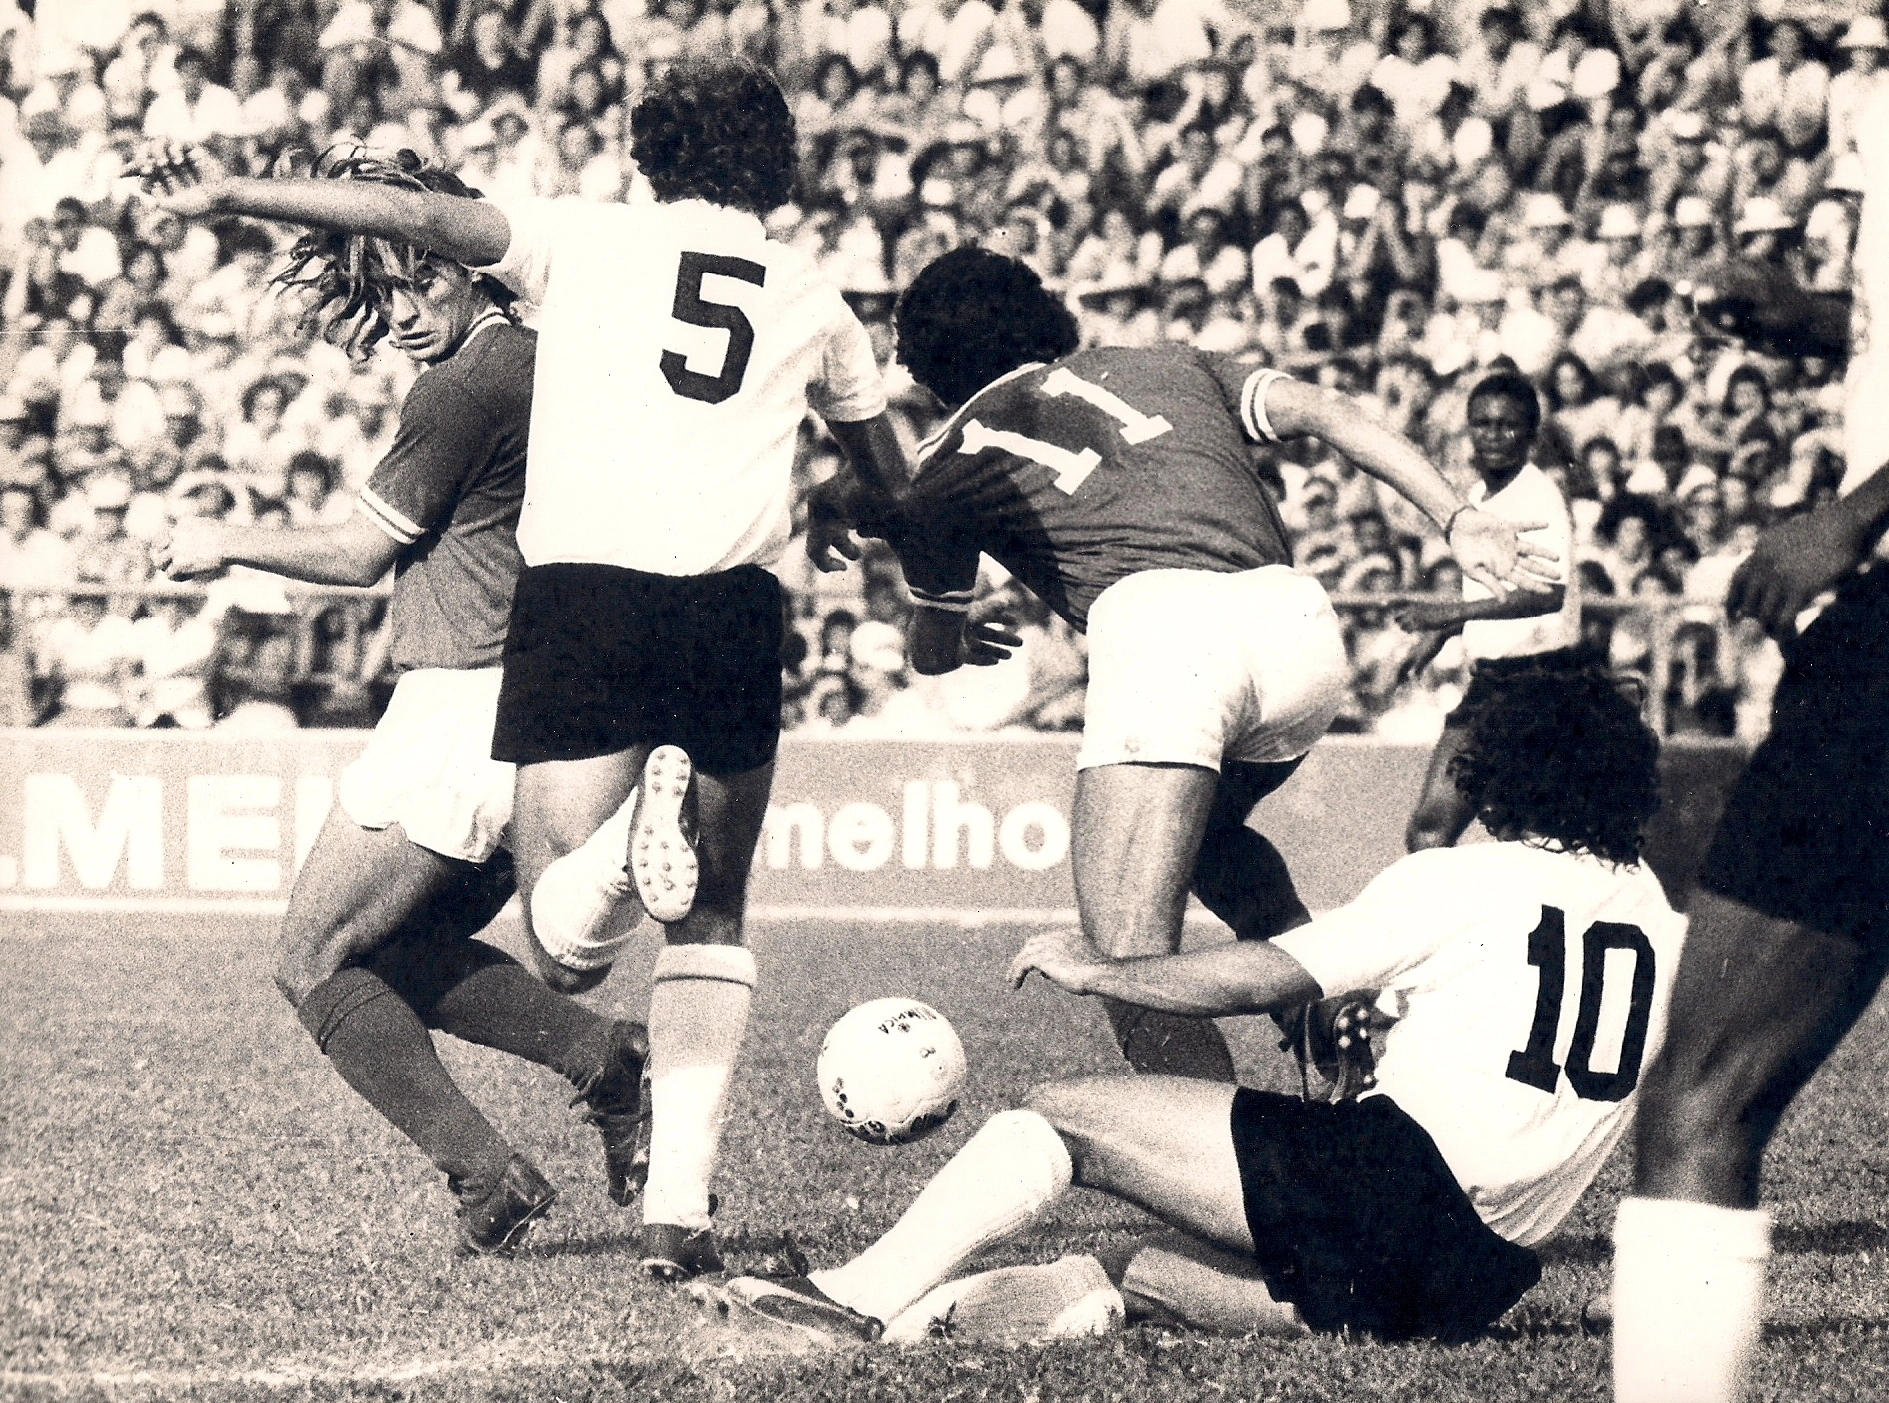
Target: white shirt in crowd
{"x":1531,"y":496}
{"x":679,"y":349}
{"x":1532,"y":988}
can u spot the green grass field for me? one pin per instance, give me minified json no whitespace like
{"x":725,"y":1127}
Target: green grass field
{"x":192,"y":1206}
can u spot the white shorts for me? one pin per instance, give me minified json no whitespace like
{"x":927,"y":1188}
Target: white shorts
{"x":429,"y":765}
{"x":1190,"y":667}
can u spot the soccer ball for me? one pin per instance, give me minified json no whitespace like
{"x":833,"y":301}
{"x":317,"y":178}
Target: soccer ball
{"x":890,"y":1071}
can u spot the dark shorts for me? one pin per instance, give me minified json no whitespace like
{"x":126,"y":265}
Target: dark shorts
{"x":1487,"y":675}
{"x":1805,"y":833}
{"x":1359,"y":1223}
{"x":599,"y":659}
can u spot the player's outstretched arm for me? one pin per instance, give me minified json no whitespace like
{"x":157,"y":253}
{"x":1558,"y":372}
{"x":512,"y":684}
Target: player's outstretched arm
{"x":353,"y":552}
{"x":1490,"y":550}
{"x":473,"y":232}
{"x":1252,"y":976}
{"x":1799,"y":559}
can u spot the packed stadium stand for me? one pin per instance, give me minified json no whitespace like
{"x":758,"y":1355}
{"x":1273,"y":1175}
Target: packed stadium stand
{"x":1387,"y":198}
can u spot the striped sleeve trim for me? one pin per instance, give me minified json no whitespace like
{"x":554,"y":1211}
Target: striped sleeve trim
{"x":376,"y":509}
{"x":1253,"y":404}
{"x":957,"y":601}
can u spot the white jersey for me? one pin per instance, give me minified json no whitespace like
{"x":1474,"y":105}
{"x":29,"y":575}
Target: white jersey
{"x":679,"y":349}
{"x":1533,"y":987}
{"x":1531,"y":496}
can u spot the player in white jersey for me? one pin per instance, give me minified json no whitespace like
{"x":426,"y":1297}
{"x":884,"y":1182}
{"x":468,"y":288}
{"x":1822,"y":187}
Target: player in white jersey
{"x":1531,"y":977}
{"x":679,"y":350}
{"x":1529,"y":628}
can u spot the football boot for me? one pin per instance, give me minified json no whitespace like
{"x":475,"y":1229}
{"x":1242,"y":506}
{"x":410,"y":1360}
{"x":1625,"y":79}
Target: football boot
{"x":616,"y":1102}
{"x":497,"y":1221}
{"x":661,"y":860}
{"x":796,"y":1301}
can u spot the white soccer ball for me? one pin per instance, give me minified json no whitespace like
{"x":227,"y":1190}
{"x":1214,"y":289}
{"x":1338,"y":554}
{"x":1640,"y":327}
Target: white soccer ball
{"x":890,"y":1071}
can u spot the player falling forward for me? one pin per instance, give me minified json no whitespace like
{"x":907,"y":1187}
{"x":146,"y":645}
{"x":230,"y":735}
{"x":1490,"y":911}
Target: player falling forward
{"x":1118,"y":485}
{"x":1790,"y":925}
{"x":679,"y":351}
{"x":1532,"y":976}
{"x":377,"y":944}
{"x":1529,"y":629}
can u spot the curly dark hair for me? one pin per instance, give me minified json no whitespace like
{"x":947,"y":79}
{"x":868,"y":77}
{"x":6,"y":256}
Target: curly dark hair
{"x":1560,"y":752}
{"x":717,"y":131}
{"x":971,"y":316}
{"x":349,"y":278}
{"x":1511,"y":385}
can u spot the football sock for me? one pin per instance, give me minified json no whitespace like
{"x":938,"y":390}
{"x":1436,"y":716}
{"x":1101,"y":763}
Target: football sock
{"x":1055,"y":1301}
{"x":1005,"y":1175}
{"x":1688,"y":1299}
{"x":480,"y":994}
{"x":1241,"y":878}
{"x":698,"y":1013}
{"x":381,"y":1049}
{"x":584,"y":909}
{"x":1170,"y":1044}
{"x":1196,"y":1286}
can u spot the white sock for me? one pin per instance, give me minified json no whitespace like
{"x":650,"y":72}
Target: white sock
{"x":698,"y":1012}
{"x":1060,"y":1300}
{"x":578,"y":908}
{"x":1688,"y":1299}
{"x":1004,"y":1176}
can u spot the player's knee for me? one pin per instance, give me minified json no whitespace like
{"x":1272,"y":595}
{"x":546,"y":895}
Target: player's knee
{"x":564,"y":980}
{"x":306,"y":957}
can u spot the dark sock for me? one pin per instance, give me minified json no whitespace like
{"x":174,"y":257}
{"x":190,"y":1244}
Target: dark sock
{"x":381,"y":1049}
{"x":479,"y":993}
{"x":1168,"y":1044}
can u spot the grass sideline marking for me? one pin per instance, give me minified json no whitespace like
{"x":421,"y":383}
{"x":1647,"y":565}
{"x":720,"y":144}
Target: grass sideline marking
{"x":282,"y":1376}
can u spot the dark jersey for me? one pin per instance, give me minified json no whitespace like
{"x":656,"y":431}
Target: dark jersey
{"x":1078,"y":474}
{"x":449,"y":490}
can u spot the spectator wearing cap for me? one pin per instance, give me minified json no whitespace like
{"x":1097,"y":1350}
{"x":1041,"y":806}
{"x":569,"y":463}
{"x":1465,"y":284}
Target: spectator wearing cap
{"x":1767,"y":233}
{"x":1863,"y":45}
{"x":1688,"y":163}
{"x":1545,"y":249}
{"x":197,"y":112}
{"x":1695,"y":238}
{"x":1623,"y":263}
{"x":1787,"y":88}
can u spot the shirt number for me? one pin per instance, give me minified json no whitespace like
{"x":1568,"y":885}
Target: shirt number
{"x":1534,"y":1065}
{"x":1071,"y":466}
{"x":690,"y":307}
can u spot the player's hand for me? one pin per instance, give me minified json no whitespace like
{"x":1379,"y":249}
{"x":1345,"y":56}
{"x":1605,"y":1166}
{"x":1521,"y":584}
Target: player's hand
{"x":830,"y":542}
{"x":191,"y":549}
{"x":185,"y":180}
{"x":988,"y":641}
{"x":1493,"y":553}
{"x":1064,"y":957}
{"x":1423,"y":651}
{"x":1795,"y":562}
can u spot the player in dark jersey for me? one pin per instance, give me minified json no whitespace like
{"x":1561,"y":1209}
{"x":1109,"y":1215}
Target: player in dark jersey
{"x":1789,"y":936}
{"x":1118,"y":485}
{"x":377,"y":945}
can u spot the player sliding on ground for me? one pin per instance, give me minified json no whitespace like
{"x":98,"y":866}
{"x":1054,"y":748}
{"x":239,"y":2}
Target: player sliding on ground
{"x":1532,"y":977}
{"x":1119,"y":485}
{"x":679,"y":351}
{"x":377,"y":945}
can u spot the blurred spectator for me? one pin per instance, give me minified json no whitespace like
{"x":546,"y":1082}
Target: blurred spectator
{"x":89,"y":658}
{"x":175,"y":647}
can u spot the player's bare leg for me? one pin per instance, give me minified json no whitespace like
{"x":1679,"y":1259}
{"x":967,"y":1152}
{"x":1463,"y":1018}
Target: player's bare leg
{"x":1758,"y":1004}
{"x":377,"y":949}
{"x":1442,"y":815}
{"x":1164,"y":1143}
{"x":1137,"y":830}
{"x":1238,"y":873}
{"x":698,"y":1016}
{"x":559,"y":806}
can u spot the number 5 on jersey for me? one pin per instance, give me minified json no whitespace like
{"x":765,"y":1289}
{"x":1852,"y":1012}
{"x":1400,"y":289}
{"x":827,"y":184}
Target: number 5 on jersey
{"x":691,"y":307}
{"x":1071,"y":466}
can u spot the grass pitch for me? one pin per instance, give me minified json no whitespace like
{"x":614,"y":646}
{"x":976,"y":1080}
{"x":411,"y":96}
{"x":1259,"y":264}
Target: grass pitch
{"x":192,"y":1206}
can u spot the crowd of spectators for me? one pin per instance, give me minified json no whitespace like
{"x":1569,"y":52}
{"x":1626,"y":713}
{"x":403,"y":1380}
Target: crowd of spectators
{"x":1387,"y":196}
